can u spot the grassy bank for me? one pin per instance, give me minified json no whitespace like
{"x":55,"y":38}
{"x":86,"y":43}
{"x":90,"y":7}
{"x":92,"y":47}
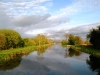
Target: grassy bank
{"x":90,"y":50}
{"x":87,"y":49}
{"x":12,"y":53}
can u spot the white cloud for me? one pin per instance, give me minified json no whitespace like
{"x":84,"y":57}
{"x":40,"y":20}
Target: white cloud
{"x":29,"y":15}
{"x":81,"y":30}
{"x":30,"y":7}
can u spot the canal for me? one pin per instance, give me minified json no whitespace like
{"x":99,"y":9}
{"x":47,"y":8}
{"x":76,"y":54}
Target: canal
{"x":55,"y":60}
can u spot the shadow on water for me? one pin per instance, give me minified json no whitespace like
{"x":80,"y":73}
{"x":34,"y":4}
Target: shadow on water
{"x":15,"y":60}
{"x":94,"y":63}
{"x":10,"y":64}
{"x":72,"y":52}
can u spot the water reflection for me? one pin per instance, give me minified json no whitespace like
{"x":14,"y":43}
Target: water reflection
{"x":52,"y":63}
{"x":40,"y":52}
{"x":10,"y":64}
{"x":72,"y":52}
{"x":15,"y":60}
{"x":94,"y":63}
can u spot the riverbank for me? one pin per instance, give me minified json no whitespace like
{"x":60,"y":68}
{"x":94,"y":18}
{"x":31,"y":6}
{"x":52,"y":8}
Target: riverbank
{"x":86,"y":49}
{"x":12,"y":53}
{"x":90,"y":50}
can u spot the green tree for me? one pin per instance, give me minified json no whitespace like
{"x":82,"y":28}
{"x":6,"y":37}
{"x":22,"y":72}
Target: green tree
{"x":26,"y":40}
{"x":71,"y":39}
{"x":78,"y":40}
{"x":94,"y":37}
{"x":41,"y":39}
{"x":13,"y":38}
{"x":2,"y":41}
{"x":64,"y":42}
{"x":50,"y":41}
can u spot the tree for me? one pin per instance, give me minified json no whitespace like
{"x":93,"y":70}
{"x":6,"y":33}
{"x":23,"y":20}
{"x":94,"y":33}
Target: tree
{"x":64,"y":42}
{"x":2,"y":41}
{"x":94,"y":37}
{"x":41,"y":39}
{"x":26,"y":40}
{"x":49,"y":41}
{"x":13,"y":38}
{"x":78,"y":40}
{"x":71,"y":39}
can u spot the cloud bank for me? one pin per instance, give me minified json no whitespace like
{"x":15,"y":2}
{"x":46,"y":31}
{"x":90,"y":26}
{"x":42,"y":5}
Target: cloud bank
{"x":28,"y":16}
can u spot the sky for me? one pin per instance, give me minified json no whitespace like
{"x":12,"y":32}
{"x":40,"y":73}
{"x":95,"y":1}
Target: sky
{"x":53,"y":18}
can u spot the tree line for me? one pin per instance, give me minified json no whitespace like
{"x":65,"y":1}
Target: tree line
{"x":11,"y":39}
{"x":93,"y":39}
{"x":72,"y":40}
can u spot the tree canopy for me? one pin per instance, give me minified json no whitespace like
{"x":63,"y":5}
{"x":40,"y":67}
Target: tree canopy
{"x":10,"y":38}
{"x":94,"y":37}
{"x":73,"y":40}
{"x":2,"y":41}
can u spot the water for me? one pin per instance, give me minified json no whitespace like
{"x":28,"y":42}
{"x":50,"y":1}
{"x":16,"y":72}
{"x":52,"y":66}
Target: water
{"x":55,"y":60}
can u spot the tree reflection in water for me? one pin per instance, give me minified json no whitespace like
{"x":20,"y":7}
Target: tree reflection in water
{"x":94,"y":63}
{"x":40,"y":52}
{"x":10,"y":64}
{"x":72,"y":52}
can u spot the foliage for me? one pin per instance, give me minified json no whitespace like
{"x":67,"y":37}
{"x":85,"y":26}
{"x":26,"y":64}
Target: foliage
{"x":71,"y":39}
{"x":38,"y":40}
{"x":94,"y":37}
{"x":2,"y":41}
{"x":41,"y":39}
{"x":26,"y":41}
{"x":10,"y":39}
{"x":64,"y":42}
{"x":13,"y":38}
{"x":74,"y":40}
{"x":78,"y":40}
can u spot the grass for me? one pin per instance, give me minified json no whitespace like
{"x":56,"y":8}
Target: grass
{"x":86,"y":49}
{"x":11,"y":53}
{"x":90,"y":50}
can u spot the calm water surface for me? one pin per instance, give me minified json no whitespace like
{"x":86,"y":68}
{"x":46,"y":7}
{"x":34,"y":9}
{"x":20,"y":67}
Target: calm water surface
{"x":55,"y":60}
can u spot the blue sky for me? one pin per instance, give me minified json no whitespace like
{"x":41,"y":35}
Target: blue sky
{"x":52,"y":18}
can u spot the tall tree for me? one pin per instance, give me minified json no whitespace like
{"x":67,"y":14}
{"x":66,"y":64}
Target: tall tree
{"x":12,"y":38}
{"x":71,"y":39}
{"x":78,"y":40}
{"x":94,"y":37}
